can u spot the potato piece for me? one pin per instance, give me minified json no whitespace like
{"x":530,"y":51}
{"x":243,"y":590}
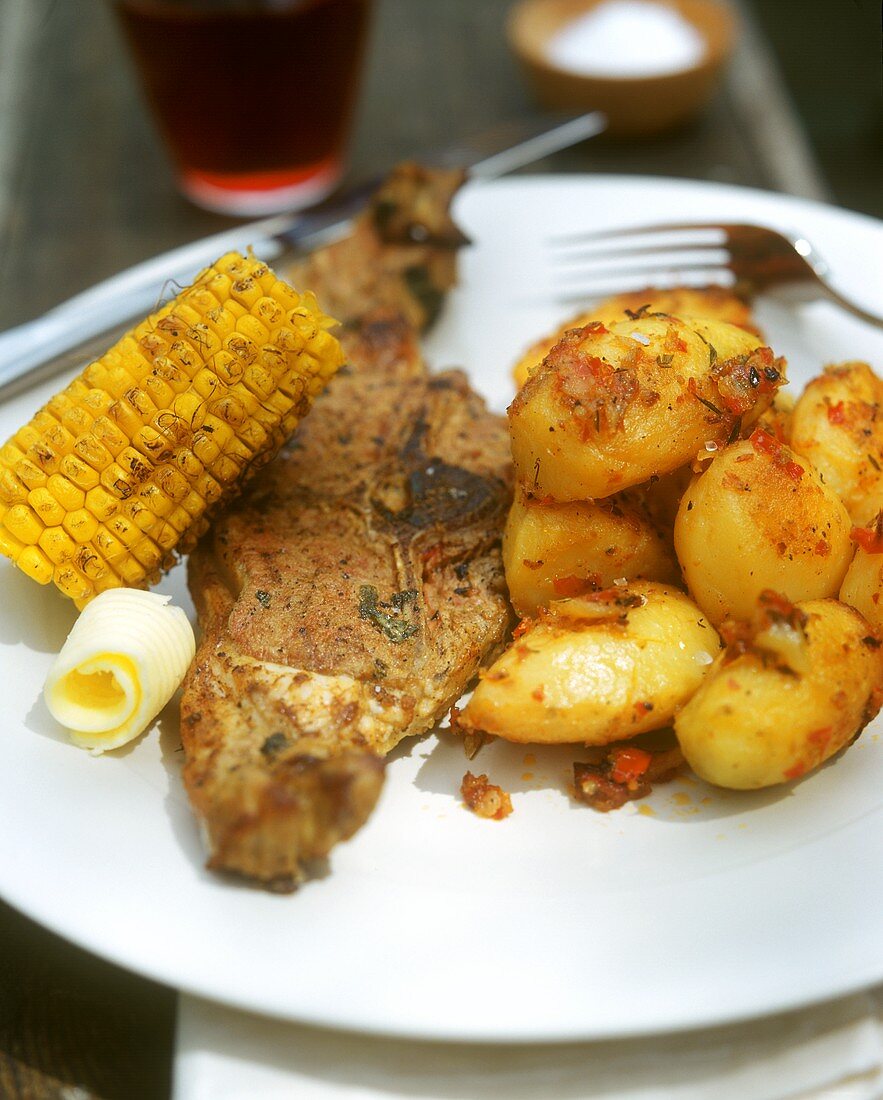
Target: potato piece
{"x":612,"y":408}
{"x":554,"y":550}
{"x":596,"y":669}
{"x":755,"y":519}
{"x":838,"y":425}
{"x":714,"y":302}
{"x":756,"y":722}
{"x":725,"y":342}
{"x":863,"y":584}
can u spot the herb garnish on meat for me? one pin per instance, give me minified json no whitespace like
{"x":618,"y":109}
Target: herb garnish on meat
{"x":396,"y":629}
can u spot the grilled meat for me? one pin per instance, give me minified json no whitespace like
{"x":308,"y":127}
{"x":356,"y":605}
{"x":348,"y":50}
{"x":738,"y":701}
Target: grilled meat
{"x":401,"y":254}
{"x":347,"y":600}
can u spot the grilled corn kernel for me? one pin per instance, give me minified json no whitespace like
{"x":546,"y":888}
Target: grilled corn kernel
{"x":82,"y":475}
{"x":22,"y":522}
{"x":80,"y":525}
{"x":10,"y":544}
{"x":68,"y":495}
{"x":30,"y":474}
{"x":35,"y":564}
{"x":12,"y":491}
{"x":57,"y":544}
{"x":117,"y":471}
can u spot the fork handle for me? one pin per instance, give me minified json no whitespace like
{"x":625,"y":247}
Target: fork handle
{"x":857,"y":311}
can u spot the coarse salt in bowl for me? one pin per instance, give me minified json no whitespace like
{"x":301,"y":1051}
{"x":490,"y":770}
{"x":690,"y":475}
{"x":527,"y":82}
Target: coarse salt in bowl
{"x":648,"y":64}
{"x":627,"y":38}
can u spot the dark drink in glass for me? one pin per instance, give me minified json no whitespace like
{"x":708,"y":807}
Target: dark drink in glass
{"x":254,"y":97}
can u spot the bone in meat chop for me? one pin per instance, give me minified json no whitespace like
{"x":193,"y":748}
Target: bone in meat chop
{"x":347,"y":600}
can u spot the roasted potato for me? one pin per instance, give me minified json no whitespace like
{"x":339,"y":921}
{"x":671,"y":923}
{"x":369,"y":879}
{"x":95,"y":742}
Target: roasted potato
{"x":555,"y":550}
{"x":596,"y":669}
{"x":838,"y":425}
{"x":784,"y":697}
{"x":613,"y":407}
{"x":862,"y":586}
{"x":759,"y":518}
{"x":714,"y":302}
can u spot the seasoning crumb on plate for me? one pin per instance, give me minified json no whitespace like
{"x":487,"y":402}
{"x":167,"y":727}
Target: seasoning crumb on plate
{"x":484,"y":798}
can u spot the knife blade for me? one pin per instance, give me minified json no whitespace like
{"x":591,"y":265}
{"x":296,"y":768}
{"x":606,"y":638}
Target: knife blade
{"x":85,"y":324}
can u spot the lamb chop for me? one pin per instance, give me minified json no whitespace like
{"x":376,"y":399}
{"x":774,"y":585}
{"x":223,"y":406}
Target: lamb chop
{"x":347,"y":599}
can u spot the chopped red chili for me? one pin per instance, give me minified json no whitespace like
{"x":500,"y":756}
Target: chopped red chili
{"x":870,"y":539}
{"x":837,"y":413}
{"x":766,"y":444}
{"x":628,"y":765}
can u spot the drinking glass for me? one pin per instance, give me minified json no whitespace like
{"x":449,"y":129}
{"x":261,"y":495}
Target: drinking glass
{"x":254,"y":98}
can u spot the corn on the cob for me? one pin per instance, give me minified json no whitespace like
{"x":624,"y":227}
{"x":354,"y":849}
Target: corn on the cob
{"x":117,"y":472}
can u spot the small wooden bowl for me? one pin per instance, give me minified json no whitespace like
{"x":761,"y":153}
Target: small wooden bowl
{"x":633,"y":105}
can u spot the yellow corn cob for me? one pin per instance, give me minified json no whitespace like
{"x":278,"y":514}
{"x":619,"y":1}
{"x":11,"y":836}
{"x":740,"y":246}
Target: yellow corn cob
{"x":119,"y":471}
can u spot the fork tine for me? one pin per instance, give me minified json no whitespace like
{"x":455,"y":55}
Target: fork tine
{"x":564,"y":240}
{"x":756,"y":258}
{"x":698,"y":248}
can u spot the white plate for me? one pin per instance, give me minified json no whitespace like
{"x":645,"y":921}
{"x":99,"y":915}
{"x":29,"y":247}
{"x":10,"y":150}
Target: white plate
{"x":692,"y":908}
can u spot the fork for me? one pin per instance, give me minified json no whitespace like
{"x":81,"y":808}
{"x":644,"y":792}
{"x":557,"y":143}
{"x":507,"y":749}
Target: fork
{"x":753,"y":257}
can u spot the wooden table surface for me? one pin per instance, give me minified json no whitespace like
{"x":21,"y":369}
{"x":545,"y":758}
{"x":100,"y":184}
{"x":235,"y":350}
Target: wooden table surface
{"x":85,"y":191}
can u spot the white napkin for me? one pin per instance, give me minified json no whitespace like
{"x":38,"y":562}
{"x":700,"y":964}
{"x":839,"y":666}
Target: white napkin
{"x":827,"y":1052}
